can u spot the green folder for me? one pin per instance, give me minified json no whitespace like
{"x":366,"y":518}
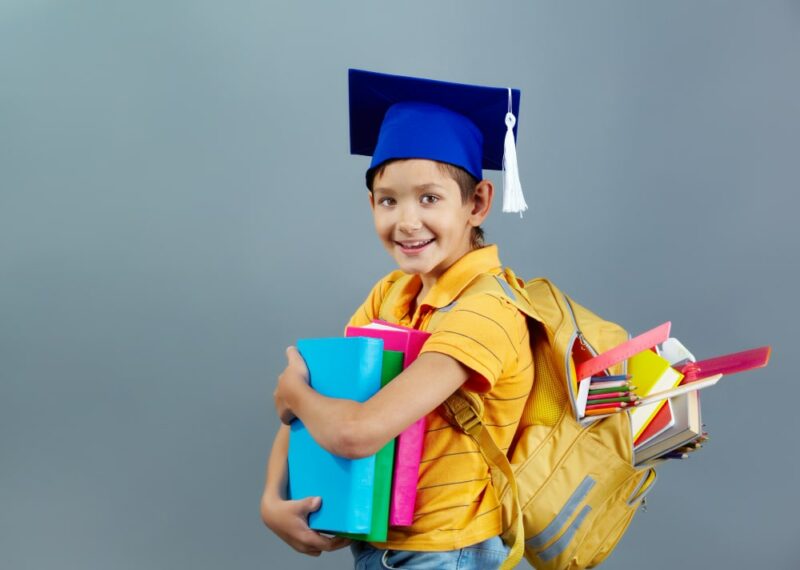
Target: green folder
{"x":384,"y":464}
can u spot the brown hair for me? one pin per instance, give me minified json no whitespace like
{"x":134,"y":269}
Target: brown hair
{"x":466,"y":183}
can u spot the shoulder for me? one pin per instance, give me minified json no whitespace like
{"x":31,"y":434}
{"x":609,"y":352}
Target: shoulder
{"x":370,"y":308}
{"x":483,"y":313}
{"x":381,"y":288}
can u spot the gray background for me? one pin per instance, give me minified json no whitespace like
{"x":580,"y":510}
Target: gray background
{"x":177,"y":205}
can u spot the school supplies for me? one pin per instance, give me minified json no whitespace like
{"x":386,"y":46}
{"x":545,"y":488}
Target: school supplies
{"x":682,"y":389}
{"x":623,"y":351}
{"x":578,"y":487}
{"x":384,"y":464}
{"x":687,"y":426}
{"x":673,"y":350}
{"x":345,"y":485}
{"x":653,"y":374}
{"x":726,"y":364}
{"x":408,"y":448}
{"x":603,"y":388}
{"x":663,"y":420}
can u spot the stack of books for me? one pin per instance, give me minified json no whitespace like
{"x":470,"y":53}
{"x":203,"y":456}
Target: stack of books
{"x":361,"y":498}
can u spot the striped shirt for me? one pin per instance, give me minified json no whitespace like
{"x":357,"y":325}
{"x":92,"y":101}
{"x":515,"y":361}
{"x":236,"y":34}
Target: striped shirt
{"x":456,"y":503}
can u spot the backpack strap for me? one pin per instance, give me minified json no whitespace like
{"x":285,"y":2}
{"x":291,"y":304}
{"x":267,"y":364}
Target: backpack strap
{"x":465,"y":410}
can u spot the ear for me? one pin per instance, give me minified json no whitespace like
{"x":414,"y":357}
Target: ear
{"x":481,"y":202}
{"x":371,"y":200}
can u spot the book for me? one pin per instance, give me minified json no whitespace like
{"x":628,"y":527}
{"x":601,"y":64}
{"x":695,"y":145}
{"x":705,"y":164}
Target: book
{"x":662,"y":421}
{"x":384,"y":463}
{"x":338,"y":368}
{"x":408,"y":448}
{"x":673,"y":351}
{"x":651,"y":374}
{"x":395,"y":337}
{"x":687,"y":426}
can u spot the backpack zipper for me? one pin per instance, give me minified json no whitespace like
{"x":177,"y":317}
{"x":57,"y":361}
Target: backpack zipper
{"x":578,"y":332}
{"x":579,"y":335}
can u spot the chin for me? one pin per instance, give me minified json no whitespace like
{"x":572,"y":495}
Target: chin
{"x":412,"y":267}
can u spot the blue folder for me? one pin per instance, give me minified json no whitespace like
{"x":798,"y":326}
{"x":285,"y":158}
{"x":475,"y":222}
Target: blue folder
{"x":338,"y":368}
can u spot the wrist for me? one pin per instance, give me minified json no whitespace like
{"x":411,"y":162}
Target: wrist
{"x":269,"y":501}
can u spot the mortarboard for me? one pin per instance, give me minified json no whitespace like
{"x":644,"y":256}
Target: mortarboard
{"x":470,"y":126}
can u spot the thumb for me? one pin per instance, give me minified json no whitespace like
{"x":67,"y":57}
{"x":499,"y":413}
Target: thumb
{"x":311,"y":504}
{"x":293,"y":355}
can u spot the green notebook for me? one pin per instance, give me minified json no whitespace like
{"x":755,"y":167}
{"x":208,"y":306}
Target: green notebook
{"x":384,"y":464}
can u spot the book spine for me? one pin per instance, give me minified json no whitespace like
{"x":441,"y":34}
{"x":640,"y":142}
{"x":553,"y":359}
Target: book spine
{"x":406,"y":474}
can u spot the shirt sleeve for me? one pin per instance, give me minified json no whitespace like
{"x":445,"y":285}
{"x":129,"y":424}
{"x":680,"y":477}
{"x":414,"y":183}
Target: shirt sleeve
{"x":371,"y":307}
{"x":483,"y":332}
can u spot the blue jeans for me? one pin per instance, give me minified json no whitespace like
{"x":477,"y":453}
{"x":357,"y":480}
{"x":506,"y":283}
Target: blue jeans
{"x":486,"y":555}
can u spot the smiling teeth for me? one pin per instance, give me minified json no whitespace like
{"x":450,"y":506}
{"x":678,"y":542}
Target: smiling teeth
{"x":416,"y":243}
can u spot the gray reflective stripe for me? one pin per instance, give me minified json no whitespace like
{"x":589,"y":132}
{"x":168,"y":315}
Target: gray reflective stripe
{"x":635,"y":496}
{"x":561,"y":544}
{"x":447,"y":307}
{"x":507,"y":288}
{"x":564,"y":514}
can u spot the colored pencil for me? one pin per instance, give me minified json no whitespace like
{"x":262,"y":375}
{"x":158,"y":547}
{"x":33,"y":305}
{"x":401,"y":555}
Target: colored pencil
{"x":602,"y":412}
{"x":629,"y":399}
{"x":607,"y":390}
{"x":675,"y":455}
{"x":613,"y":384}
{"x":613,"y":395}
{"x":611,"y":405}
{"x":612,"y":378}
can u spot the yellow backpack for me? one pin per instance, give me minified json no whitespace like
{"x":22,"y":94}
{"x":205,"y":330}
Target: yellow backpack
{"x":568,"y":491}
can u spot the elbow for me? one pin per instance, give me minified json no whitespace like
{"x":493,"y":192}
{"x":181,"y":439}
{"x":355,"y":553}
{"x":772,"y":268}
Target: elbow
{"x":355,"y":440}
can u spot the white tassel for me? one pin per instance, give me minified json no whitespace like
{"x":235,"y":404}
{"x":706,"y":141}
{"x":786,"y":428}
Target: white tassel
{"x":513,"y":200}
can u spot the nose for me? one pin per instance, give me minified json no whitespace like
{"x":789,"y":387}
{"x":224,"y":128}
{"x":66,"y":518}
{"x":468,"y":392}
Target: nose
{"x":409,"y":221}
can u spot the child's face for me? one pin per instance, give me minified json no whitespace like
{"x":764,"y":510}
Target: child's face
{"x":420,"y":218}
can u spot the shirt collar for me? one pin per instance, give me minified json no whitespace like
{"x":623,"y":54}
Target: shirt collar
{"x":453,"y":281}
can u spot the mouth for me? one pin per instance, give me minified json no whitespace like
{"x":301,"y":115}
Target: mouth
{"x":413,"y":246}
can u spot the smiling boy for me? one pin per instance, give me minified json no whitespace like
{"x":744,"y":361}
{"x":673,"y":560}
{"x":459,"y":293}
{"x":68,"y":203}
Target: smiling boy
{"x":429,"y":142}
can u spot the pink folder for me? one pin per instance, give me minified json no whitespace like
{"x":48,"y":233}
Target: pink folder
{"x":408,"y":449}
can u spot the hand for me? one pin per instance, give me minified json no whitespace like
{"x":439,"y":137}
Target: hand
{"x":289,"y":520}
{"x":294,"y":375}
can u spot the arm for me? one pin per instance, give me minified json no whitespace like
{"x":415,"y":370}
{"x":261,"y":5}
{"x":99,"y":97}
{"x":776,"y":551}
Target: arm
{"x":289,"y":519}
{"x":351,"y":429}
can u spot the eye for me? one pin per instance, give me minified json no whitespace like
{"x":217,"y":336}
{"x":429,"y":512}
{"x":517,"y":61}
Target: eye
{"x":386,"y":201}
{"x":429,"y":199}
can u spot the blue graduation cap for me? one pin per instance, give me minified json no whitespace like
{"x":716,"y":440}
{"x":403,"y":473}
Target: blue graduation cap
{"x":469,"y":126}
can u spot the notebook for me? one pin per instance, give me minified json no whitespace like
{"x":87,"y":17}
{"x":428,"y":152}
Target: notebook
{"x":346,"y":486}
{"x":384,"y":464}
{"x":408,"y":448}
{"x":650,"y":373}
{"x":687,"y":427}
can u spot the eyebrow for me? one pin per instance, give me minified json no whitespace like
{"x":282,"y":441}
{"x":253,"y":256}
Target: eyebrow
{"x":418,"y":188}
{"x":428,"y":186}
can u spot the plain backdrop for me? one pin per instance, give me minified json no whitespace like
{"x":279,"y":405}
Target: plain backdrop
{"x":177,"y":205}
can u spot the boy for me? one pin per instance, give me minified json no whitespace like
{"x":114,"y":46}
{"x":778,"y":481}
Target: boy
{"x":429,"y":142}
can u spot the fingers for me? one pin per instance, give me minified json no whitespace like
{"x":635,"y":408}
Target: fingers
{"x":295,"y":359}
{"x":313,"y":543}
{"x":308,"y":505}
{"x":292,"y":527}
{"x":338,"y":542}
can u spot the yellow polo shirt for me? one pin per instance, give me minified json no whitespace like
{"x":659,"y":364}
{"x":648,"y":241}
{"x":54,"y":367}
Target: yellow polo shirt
{"x":456,"y":503}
